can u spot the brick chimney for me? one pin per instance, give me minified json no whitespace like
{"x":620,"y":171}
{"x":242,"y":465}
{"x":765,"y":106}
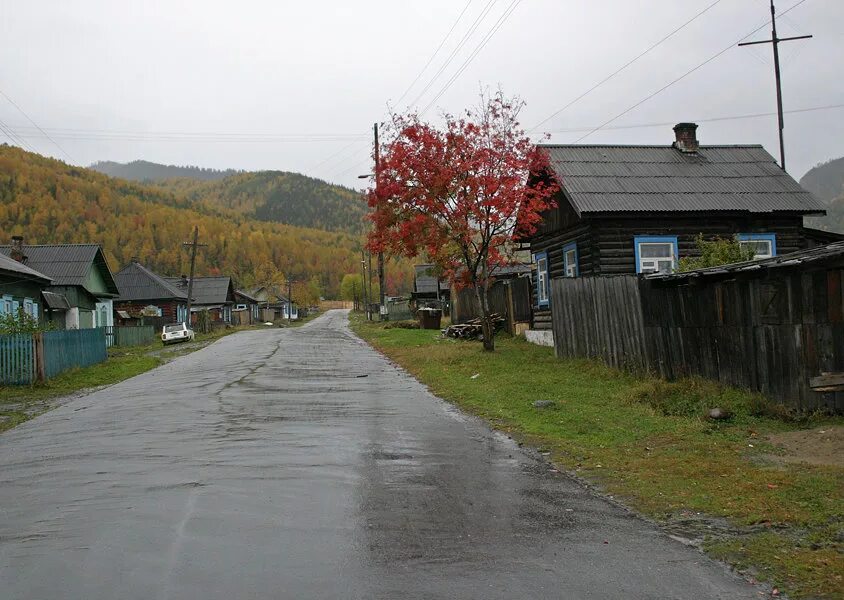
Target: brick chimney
{"x":17,"y":249}
{"x":184,"y":281}
{"x":686,"y":139}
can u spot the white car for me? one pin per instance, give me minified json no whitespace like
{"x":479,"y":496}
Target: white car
{"x":176,"y":332}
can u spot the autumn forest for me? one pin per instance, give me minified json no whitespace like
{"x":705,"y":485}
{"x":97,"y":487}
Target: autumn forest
{"x":241,"y":218}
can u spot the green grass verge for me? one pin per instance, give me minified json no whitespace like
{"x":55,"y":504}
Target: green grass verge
{"x":647,"y":442}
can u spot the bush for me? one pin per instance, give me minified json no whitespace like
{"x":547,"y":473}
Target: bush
{"x":695,"y":396}
{"x":720,"y":251}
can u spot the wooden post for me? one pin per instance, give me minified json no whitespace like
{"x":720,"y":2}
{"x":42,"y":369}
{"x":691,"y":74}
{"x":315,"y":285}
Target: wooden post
{"x":511,"y":319}
{"x":40,"y":364}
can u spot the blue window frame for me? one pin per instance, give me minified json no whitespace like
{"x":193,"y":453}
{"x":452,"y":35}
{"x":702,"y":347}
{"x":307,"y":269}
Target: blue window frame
{"x":764,"y":244}
{"x":571,"y":261}
{"x":656,"y":254}
{"x":542,"y":296}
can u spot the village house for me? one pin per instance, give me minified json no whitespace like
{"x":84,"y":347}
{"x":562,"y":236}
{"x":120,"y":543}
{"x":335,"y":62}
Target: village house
{"x":639,"y":209}
{"x":21,"y":288}
{"x":274,"y":305}
{"x":247,"y":309}
{"x":83,"y":287}
{"x":143,"y":293}
{"x":214,"y":294}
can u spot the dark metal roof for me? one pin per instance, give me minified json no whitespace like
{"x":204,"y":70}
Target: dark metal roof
{"x":55,"y":301}
{"x":246,"y":296}
{"x":206,"y":290}
{"x":136,"y":282}
{"x":9,"y":266}
{"x":599,"y":179}
{"x":67,"y":264}
{"x":801,"y":258}
{"x":425,"y":282}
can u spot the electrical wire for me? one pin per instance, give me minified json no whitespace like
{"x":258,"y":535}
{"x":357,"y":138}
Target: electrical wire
{"x":625,"y":65}
{"x":507,"y":12}
{"x":28,"y":118}
{"x":484,"y":12}
{"x":681,"y":77}
{"x":430,"y":60}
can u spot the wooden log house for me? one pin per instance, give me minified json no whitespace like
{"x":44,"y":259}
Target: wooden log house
{"x":639,"y":209}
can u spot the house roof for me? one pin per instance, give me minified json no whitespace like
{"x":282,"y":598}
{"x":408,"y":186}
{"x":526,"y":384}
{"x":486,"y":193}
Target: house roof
{"x":801,"y":258}
{"x":136,"y":282}
{"x":67,"y":264}
{"x":246,"y":296}
{"x":9,"y":266}
{"x":600,"y":179}
{"x":425,"y":283}
{"x":55,"y":301}
{"x":206,"y":290}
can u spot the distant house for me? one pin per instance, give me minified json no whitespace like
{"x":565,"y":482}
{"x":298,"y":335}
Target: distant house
{"x":214,"y":294}
{"x":245,"y":303}
{"x":21,"y":288}
{"x":273,"y":304}
{"x":638,"y":209}
{"x":145,"y":293}
{"x":427,"y":287}
{"x":81,"y":281}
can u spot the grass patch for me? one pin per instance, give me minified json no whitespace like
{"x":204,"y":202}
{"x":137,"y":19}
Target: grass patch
{"x":649,"y":442}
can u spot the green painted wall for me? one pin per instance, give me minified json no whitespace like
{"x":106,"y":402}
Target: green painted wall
{"x":95,"y":283}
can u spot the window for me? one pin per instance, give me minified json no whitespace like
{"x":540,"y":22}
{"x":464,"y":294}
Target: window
{"x":764,"y":245}
{"x":570,"y":266}
{"x":655,"y":254}
{"x":27,"y":307}
{"x":5,"y":305}
{"x":541,"y":260}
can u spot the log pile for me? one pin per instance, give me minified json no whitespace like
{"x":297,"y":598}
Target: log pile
{"x":473,"y":330}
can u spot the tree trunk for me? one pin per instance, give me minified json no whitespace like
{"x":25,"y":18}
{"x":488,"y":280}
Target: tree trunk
{"x":486,"y":323}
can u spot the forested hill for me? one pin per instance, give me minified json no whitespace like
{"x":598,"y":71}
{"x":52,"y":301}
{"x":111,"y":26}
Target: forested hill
{"x":278,"y":196}
{"x":48,"y":202}
{"x":142,"y":170}
{"x":826,"y":180}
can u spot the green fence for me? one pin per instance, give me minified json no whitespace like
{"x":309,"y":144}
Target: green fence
{"x":134,"y":336}
{"x":65,"y":350}
{"x":17,"y":359}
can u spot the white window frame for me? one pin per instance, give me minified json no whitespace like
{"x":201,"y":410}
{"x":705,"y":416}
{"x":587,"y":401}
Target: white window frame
{"x":543,"y":297}
{"x":771,"y":238}
{"x":641,"y":262}
{"x":571,"y":266}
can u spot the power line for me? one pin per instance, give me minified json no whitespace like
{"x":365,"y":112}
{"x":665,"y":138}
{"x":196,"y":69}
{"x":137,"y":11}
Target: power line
{"x":709,"y":120}
{"x":681,"y":77}
{"x":12,"y":102}
{"x":430,"y":60}
{"x":484,"y":12}
{"x":624,"y":66}
{"x":14,"y":138}
{"x":507,"y":12}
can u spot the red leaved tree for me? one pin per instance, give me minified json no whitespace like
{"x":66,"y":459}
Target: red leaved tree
{"x":460,"y":193}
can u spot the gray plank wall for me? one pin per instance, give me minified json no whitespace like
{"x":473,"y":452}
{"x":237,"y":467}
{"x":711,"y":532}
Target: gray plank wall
{"x":769,"y":335}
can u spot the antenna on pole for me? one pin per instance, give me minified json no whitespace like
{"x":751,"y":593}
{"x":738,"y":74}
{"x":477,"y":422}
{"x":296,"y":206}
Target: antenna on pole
{"x":775,"y":42}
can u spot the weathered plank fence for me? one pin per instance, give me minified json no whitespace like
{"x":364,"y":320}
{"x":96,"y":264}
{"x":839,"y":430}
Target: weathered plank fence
{"x":774,"y":333}
{"x":510,"y":298}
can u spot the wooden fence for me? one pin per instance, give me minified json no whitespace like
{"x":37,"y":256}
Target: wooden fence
{"x":773,"y":335}
{"x":26,"y":358}
{"x":511,"y":298}
{"x":17,"y":359}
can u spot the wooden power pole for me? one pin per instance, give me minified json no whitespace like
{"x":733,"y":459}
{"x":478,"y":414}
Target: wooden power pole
{"x":381,"y":286}
{"x":193,"y":244}
{"x":775,"y":41}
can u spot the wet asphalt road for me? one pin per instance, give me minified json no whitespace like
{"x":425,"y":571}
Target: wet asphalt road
{"x":263,"y":466}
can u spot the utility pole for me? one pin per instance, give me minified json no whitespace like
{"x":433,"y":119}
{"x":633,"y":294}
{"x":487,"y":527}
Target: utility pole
{"x":775,"y":41}
{"x":363,"y":281}
{"x":290,"y":283}
{"x":193,"y":246}
{"x":381,"y":285}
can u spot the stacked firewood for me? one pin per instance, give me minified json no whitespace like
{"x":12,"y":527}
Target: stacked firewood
{"x":473,"y":330}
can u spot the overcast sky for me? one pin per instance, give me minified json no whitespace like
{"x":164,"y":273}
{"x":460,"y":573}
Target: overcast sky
{"x":297,"y":85}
